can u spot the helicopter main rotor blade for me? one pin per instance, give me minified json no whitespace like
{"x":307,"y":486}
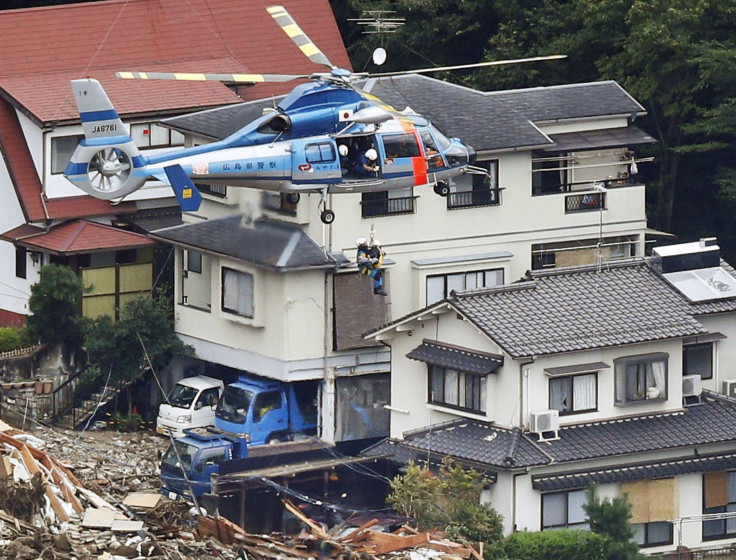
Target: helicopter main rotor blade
{"x":204,"y":77}
{"x":295,"y":33}
{"x":475,"y":65}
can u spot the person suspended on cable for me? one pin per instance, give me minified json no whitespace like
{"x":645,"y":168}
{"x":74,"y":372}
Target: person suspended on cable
{"x":370,"y":263}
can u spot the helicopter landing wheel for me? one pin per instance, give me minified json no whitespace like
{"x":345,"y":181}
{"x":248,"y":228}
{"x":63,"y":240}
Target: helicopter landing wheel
{"x":293,"y":197}
{"x":327,"y":216}
{"x":442,"y":188}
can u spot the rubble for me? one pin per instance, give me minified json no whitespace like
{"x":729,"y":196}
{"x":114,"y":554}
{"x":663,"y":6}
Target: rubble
{"x":95,"y":496}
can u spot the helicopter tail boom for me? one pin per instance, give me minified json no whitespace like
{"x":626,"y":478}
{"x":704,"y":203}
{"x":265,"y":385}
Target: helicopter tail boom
{"x":106,"y":164}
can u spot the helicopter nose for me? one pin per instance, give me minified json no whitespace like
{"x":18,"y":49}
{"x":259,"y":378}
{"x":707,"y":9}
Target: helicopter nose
{"x":471,"y":155}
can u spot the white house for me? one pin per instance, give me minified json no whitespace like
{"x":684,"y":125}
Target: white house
{"x":561,"y":191}
{"x":611,"y":374}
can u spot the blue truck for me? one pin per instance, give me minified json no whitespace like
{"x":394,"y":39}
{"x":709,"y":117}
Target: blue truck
{"x":264,"y":411}
{"x":251,"y":412}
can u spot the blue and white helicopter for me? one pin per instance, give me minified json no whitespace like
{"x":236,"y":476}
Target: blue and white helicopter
{"x":305,"y":145}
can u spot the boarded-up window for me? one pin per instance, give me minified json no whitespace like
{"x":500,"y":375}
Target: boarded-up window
{"x":652,"y":500}
{"x":715,"y":490}
{"x":357,"y":310}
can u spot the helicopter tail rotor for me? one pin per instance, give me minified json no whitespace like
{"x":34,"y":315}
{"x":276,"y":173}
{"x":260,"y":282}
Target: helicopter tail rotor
{"x":106,"y":164}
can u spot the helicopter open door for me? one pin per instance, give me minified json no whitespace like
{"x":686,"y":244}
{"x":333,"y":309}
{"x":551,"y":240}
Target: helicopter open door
{"x":315,"y":161}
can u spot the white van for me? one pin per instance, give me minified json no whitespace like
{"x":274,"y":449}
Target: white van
{"x":191,"y":404}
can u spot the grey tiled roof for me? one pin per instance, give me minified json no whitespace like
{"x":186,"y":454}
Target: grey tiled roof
{"x":579,"y":308}
{"x":478,"y":442}
{"x":267,"y":244}
{"x":712,"y":422}
{"x":571,"y":101}
{"x":637,"y":471}
{"x":463,"y":359}
{"x":486,"y":444}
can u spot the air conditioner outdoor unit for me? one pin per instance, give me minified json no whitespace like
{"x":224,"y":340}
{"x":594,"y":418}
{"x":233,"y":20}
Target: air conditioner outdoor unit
{"x":546,"y":422}
{"x":691,"y":386}
{"x":729,"y":388}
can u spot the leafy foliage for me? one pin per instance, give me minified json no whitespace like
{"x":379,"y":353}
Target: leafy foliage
{"x":564,"y":544}
{"x":144,"y":332}
{"x":55,"y":304}
{"x":449,"y":500}
{"x":14,"y":339}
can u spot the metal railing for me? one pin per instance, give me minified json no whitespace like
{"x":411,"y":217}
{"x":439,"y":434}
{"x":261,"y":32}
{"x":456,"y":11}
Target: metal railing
{"x":723,"y":553}
{"x":387,"y":206}
{"x":585,"y":202}
{"x":474,"y":197}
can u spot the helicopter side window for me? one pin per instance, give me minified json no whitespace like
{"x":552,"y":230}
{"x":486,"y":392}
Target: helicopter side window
{"x":401,"y":145}
{"x":323,"y":152}
{"x":431,"y":151}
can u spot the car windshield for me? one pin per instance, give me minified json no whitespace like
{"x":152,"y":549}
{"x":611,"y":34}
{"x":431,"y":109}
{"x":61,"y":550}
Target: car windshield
{"x":234,"y":404}
{"x":180,"y":455}
{"x":182,"y":396}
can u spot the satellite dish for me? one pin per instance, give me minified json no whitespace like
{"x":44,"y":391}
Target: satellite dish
{"x":379,"y":56}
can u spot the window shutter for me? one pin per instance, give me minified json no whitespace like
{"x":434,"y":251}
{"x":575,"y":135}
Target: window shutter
{"x":715,"y":489}
{"x":663,"y":499}
{"x":638,"y":498}
{"x":652,"y":500}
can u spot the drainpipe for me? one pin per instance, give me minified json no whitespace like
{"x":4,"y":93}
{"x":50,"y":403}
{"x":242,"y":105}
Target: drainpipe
{"x":523,"y":389}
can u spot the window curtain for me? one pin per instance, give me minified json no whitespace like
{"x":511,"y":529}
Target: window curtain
{"x":584,"y":392}
{"x":451,"y":395}
{"x":237,"y":292}
{"x":559,"y":397}
{"x":656,"y":380}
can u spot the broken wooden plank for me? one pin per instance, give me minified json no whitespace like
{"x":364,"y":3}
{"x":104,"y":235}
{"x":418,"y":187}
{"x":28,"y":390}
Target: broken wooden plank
{"x":388,"y":542}
{"x":316,"y":529}
{"x":448,"y":547}
{"x":56,"y":504}
{"x":352,"y":535}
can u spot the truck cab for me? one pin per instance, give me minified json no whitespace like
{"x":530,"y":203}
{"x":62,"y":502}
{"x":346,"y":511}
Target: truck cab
{"x":191,"y":404}
{"x":191,"y":461}
{"x":265,"y":411}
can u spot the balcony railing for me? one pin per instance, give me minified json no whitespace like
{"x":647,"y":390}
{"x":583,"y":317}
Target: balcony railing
{"x":585,"y":185}
{"x":473,"y":198}
{"x":387,"y":206}
{"x":585,"y":202}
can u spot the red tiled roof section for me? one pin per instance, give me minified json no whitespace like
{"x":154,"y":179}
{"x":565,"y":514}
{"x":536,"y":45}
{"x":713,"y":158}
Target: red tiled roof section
{"x":43,"y":48}
{"x":19,"y":162}
{"x":81,"y":236}
{"x":27,"y":184}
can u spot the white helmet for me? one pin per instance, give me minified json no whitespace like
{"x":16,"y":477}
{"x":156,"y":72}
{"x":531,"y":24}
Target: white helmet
{"x":360,"y":241}
{"x":371,"y":154}
{"x":343,"y":149}
{"x":376,"y":243}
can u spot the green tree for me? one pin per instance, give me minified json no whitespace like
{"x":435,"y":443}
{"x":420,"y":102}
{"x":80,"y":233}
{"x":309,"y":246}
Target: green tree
{"x":449,"y":500}
{"x":142,"y":337}
{"x":56,"y":306}
{"x":610,"y":518}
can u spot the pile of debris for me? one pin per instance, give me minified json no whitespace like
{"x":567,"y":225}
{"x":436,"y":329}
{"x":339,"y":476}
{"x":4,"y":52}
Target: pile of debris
{"x":96,"y":496}
{"x":365,"y":542}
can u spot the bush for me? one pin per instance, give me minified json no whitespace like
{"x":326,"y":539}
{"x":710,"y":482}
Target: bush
{"x":565,"y":544}
{"x":13,"y":339}
{"x":130,"y":423}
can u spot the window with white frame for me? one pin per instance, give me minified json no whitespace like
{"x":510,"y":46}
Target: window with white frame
{"x":440,"y":286}
{"x":573,"y":394}
{"x":457,"y":389}
{"x":564,"y":510}
{"x":62,"y":148}
{"x":697,"y":359}
{"x":237,"y":292}
{"x":641,"y":379}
